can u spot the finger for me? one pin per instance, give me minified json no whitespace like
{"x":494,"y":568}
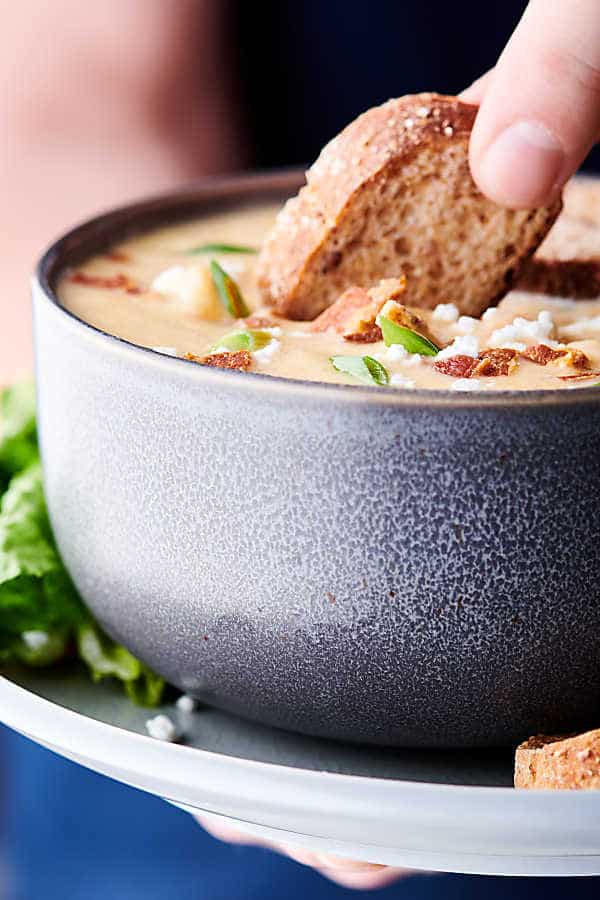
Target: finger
{"x":476,"y":91}
{"x":541,"y":111}
{"x":345,"y":872}
{"x":224,"y":832}
{"x":331,"y":863}
{"x":364,"y":881}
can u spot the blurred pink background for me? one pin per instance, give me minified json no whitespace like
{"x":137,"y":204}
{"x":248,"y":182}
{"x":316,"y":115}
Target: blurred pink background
{"x":101,"y":103}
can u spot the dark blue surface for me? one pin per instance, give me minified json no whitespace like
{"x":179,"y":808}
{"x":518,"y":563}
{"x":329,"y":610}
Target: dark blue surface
{"x":74,"y":835}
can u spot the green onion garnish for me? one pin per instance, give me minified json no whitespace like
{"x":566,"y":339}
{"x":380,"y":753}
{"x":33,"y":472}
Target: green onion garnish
{"x":229,"y":292}
{"x":410,"y":340}
{"x":243,"y":340}
{"x":222,"y":248}
{"x":365,"y":368}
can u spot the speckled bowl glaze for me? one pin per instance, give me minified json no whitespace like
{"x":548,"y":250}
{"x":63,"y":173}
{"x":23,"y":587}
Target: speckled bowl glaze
{"x":404,"y":568}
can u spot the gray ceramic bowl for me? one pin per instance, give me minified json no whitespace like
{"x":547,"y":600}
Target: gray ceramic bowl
{"x":404,"y":568}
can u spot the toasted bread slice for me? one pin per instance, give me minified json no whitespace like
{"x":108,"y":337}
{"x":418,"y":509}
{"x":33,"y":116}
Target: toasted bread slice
{"x":575,"y":278}
{"x":559,"y":763}
{"x":392,"y":194}
{"x":582,"y":200}
{"x":567,"y":264}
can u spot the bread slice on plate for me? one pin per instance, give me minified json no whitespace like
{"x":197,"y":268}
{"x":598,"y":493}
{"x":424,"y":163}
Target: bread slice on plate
{"x":559,"y":763}
{"x":392,"y":194}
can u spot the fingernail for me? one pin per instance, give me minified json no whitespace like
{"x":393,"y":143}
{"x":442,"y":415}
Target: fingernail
{"x":522,"y":166}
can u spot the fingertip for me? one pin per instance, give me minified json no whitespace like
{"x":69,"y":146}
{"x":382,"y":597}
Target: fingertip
{"x":521,"y":168}
{"x":365,"y":881}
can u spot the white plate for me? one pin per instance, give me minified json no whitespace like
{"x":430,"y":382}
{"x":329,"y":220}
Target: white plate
{"x":430,"y":810}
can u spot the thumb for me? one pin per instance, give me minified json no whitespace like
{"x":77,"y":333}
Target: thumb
{"x":540,"y":112}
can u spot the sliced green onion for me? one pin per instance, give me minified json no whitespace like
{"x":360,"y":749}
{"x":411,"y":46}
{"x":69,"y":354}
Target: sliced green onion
{"x":410,"y":340}
{"x":243,"y":340}
{"x":229,"y":292}
{"x":222,"y":248}
{"x":364,"y":368}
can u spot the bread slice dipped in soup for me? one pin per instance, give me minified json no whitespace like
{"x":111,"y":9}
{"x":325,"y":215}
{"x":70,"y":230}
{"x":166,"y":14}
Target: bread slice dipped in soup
{"x":389,"y":270}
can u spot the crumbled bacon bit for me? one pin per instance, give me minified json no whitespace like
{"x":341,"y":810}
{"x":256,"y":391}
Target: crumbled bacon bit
{"x":456,"y":366}
{"x":336,"y":317}
{"x":370,"y":334}
{"x":495,"y":362}
{"x":240,"y":359}
{"x":579,"y":376}
{"x":255,"y":321}
{"x":542,"y":355}
{"x":107,"y":282}
{"x":406,"y":318}
{"x":489,"y":364}
{"x":577,"y":359}
{"x":117,"y":256}
{"x":354,"y":312}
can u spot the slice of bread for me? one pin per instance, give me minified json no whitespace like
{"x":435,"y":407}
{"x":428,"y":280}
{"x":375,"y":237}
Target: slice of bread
{"x":559,"y":763}
{"x":575,"y":278}
{"x":392,"y":194}
{"x":582,"y":200}
{"x":567,"y":263}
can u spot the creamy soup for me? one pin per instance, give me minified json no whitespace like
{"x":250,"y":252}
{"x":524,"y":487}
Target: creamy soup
{"x":163,"y":290}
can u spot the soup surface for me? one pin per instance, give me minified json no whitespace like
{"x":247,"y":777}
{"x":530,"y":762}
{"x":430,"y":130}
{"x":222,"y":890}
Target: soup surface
{"x":161,"y":290}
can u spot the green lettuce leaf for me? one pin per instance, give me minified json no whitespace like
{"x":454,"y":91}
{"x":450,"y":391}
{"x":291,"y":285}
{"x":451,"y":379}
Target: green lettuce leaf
{"x":105,"y":658}
{"x":42,"y":616}
{"x":18,"y":437}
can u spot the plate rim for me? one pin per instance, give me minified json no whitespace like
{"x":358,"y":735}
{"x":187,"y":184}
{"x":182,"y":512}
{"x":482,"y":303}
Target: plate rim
{"x":472,"y":828}
{"x":8,"y":686}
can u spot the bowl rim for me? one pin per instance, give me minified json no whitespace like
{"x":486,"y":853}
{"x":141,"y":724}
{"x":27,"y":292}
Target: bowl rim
{"x":196,"y":198}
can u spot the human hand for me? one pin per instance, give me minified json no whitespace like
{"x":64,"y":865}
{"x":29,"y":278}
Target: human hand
{"x":345,"y":872}
{"x":540,"y":106}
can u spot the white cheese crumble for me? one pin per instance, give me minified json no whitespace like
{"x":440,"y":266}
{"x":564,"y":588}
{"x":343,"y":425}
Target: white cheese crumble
{"x":490,"y":313}
{"x":162,"y":728}
{"x":466,"y":384}
{"x":191,"y":287}
{"x":466,"y":324}
{"x":445,"y":312}
{"x":463,"y":345}
{"x":401,"y":381}
{"x":521,"y":333}
{"x":186,"y":704}
{"x":396,"y":352}
{"x":581,"y":328}
{"x":415,"y":359}
{"x":167,"y":351}
{"x":266,"y":354}
{"x":35,"y":640}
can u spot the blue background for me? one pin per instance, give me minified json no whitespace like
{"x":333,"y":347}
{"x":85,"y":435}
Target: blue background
{"x":70,"y":834}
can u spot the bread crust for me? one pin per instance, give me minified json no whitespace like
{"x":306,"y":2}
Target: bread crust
{"x":317,"y":247}
{"x":568,"y":763}
{"x":575,"y":278}
{"x":567,"y":263}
